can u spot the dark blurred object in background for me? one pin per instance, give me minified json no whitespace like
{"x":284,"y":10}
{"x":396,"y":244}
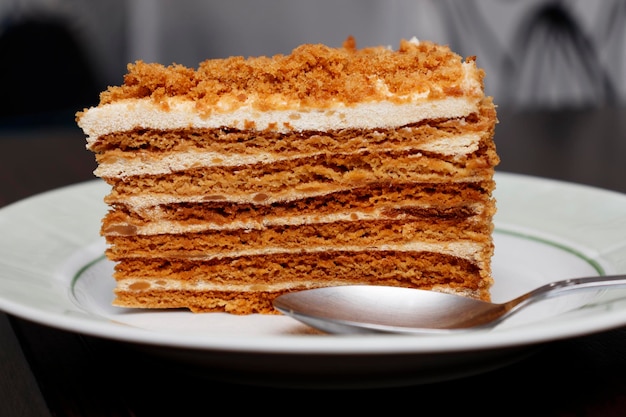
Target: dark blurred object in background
{"x":45,"y":75}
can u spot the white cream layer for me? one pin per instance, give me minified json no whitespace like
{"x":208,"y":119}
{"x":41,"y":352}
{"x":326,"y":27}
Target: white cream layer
{"x":144,"y":113}
{"x":166,"y":284}
{"x":149,"y":164}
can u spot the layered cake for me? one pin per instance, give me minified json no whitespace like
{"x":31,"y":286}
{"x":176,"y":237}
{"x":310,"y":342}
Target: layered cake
{"x":247,"y":178}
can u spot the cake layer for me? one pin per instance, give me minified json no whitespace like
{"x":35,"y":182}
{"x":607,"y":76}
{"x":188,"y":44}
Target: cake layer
{"x":124,"y":164}
{"x":148,"y":283}
{"x":426,"y":233}
{"x":290,"y":180}
{"x":376,"y":202}
{"x":317,"y":265}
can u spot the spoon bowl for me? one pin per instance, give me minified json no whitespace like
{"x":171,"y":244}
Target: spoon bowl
{"x":384,"y":309}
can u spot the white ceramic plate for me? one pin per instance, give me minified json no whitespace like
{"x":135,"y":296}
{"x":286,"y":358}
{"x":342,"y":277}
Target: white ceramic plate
{"x":52,"y":272}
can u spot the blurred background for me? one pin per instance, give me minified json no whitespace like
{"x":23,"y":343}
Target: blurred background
{"x":57,"y":55}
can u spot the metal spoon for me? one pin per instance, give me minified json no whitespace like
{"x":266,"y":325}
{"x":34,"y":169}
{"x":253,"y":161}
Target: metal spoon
{"x":376,"y":309}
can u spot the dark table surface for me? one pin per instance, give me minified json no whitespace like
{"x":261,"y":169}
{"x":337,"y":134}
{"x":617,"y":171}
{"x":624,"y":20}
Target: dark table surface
{"x":49,"y":372}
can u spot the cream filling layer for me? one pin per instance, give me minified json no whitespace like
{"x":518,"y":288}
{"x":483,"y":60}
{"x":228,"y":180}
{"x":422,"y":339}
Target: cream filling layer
{"x":132,"y":114}
{"x":157,"y":226}
{"x":147,"y":164}
{"x":139,"y":285}
{"x":166,"y":284}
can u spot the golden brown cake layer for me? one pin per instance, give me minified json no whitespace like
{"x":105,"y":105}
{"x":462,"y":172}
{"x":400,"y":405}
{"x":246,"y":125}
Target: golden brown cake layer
{"x":288,"y":179}
{"x":228,"y":243}
{"x":258,"y":279}
{"x":378,"y":201}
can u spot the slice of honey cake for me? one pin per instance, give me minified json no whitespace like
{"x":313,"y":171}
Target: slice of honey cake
{"x":244,"y":179}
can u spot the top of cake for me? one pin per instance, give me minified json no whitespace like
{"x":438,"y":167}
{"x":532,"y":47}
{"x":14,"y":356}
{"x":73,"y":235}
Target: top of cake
{"x":346,"y":87}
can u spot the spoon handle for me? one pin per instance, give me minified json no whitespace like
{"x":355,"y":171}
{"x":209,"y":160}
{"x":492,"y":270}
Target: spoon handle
{"x":557,"y":288}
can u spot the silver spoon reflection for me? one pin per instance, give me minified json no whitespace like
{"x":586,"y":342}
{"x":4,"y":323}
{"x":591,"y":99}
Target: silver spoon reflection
{"x":376,"y":309}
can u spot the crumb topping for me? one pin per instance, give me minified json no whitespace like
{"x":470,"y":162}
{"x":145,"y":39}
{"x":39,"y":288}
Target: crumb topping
{"x":313,"y":75}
